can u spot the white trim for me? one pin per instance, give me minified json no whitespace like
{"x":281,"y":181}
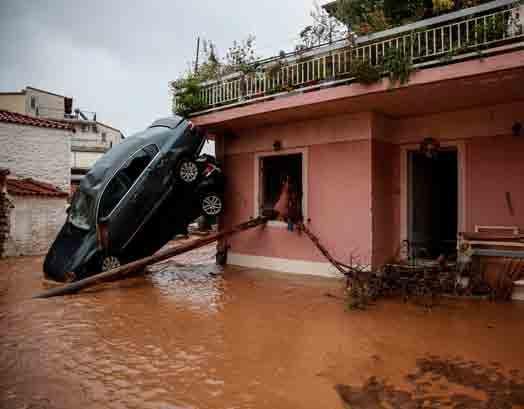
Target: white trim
{"x":513,"y":229}
{"x":404,"y":191}
{"x":305,"y":189}
{"x":284,"y":265}
{"x":495,"y":243}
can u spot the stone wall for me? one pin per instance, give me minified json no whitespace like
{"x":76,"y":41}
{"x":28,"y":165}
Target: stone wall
{"x":5,"y":225}
{"x":34,"y":224}
{"x":40,"y":153}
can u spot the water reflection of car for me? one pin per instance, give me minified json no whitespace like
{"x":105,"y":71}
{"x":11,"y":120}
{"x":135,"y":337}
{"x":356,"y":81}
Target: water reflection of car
{"x":135,"y":198}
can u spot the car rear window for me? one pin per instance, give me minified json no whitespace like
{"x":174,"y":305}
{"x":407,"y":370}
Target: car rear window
{"x":124,"y":179}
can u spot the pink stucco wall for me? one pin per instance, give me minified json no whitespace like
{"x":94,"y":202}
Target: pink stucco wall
{"x":339,"y":203}
{"x":385,"y":201}
{"x":495,"y":165}
{"x":354,"y":172}
{"x":354,"y":185}
{"x":340,"y":198}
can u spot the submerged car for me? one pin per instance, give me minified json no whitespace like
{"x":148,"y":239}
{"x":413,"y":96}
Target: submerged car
{"x":136,"y":198}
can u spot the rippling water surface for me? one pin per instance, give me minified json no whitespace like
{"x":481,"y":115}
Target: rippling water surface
{"x":189,"y":335}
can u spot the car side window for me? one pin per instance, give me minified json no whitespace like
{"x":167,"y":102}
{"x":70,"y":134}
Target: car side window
{"x":124,"y":179}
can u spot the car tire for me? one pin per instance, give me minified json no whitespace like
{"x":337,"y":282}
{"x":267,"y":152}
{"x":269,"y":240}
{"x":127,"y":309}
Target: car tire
{"x":187,"y":171}
{"x":211,"y":204}
{"x":109,"y":263}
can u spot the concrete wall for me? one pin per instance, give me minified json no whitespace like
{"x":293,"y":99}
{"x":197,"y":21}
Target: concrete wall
{"x":84,"y":160}
{"x":35,"y":222}
{"x":14,"y":102}
{"x":112,"y":135}
{"x":47,"y":105}
{"x":90,"y":141}
{"x":40,"y":153}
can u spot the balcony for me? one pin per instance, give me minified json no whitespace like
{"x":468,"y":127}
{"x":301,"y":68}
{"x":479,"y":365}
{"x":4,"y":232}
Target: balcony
{"x":492,"y":28}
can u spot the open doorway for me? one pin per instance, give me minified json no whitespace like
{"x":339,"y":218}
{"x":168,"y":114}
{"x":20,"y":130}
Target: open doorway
{"x":433,"y":203}
{"x":274,"y":171}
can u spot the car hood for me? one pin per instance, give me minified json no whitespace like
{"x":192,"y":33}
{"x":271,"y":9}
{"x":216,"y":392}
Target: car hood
{"x":71,"y":250}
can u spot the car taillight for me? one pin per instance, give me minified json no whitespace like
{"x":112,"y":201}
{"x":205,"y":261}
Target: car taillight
{"x":210,"y":168}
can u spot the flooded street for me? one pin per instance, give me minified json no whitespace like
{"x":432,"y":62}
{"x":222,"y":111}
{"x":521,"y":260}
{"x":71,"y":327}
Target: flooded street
{"x":194,"y":336}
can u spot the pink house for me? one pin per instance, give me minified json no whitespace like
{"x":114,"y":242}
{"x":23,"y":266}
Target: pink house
{"x":368,"y":188}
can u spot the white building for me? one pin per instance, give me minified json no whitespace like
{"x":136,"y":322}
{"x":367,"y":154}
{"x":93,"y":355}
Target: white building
{"x":37,"y":152}
{"x":91,"y":139}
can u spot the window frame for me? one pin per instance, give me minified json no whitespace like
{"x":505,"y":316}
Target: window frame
{"x":97,"y":214}
{"x":258,"y":182}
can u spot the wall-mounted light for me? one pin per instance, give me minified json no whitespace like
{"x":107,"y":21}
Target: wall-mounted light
{"x":430,"y":147}
{"x":517,"y":129}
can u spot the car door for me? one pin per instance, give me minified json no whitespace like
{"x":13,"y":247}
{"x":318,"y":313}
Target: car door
{"x":127,"y":197}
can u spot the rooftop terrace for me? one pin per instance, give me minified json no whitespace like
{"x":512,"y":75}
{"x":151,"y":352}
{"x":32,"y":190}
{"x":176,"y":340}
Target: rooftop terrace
{"x":472,"y":33}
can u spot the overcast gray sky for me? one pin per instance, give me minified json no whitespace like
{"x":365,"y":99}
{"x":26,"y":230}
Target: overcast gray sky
{"x":116,"y":57}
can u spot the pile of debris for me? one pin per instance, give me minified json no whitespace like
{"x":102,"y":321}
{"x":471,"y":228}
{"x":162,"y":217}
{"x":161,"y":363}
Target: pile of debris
{"x":423,"y":281}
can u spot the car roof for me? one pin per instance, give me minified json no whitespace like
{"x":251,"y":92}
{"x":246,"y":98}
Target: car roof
{"x":169,"y":122}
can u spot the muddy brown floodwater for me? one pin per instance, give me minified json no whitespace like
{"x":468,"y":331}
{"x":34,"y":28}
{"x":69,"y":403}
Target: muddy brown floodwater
{"x":193,"y":336}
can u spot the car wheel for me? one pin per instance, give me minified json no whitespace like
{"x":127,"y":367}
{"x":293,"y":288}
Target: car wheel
{"x":187,"y":171}
{"x":211,"y":204}
{"x":109,"y":263}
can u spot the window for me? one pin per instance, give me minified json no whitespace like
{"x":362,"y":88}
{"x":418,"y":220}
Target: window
{"x":124,"y":179}
{"x":104,"y":137}
{"x":33,"y":102}
{"x":80,"y":210}
{"x":275,"y":170}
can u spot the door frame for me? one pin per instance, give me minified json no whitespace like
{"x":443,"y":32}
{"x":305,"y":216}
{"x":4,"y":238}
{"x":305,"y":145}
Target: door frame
{"x":405,"y":218}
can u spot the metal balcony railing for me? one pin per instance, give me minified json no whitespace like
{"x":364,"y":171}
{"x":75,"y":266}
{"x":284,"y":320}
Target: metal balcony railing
{"x":438,"y":40}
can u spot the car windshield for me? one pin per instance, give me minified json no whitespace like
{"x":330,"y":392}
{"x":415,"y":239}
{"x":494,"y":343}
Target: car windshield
{"x":80,"y":210}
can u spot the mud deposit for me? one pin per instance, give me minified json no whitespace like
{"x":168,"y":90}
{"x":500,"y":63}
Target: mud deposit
{"x":439,"y":383}
{"x":189,"y":335}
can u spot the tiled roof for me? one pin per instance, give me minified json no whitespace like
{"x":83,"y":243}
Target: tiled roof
{"x":20,"y":119}
{"x":31,"y":187}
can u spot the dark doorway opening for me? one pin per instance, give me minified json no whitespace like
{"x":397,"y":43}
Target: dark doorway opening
{"x":273,"y":171}
{"x":433,"y":203}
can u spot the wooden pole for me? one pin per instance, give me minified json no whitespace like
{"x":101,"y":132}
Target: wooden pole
{"x":137,"y":265}
{"x":339,"y":266}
